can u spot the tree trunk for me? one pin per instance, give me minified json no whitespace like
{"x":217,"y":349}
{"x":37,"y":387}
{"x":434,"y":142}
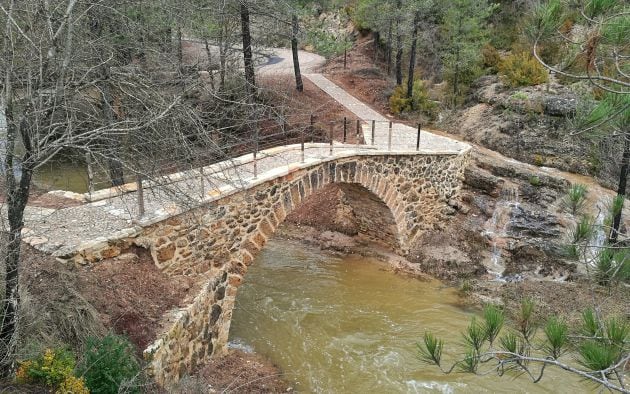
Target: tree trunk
{"x":377,"y":38}
{"x":412,"y":56}
{"x":247,"y":49}
{"x":209,"y":67}
{"x":621,"y":188}
{"x":116,"y":173}
{"x":222,"y":53}
{"x":389,"y":49}
{"x":399,"y":48}
{"x":457,"y":57}
{"x":294,"y":48}
{"x":16,"y":203}
{"x":180,"y":52}
{"x":17,"y":193}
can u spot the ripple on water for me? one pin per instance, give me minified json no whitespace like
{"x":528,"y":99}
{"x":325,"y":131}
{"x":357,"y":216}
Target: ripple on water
{"x":343,"y":325}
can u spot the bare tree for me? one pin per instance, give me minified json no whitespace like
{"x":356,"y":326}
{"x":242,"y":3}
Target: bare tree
{"x":294,"y":49}
{"x":399,"y":43}
{"x":64,"y":87}
{"x":412,"y":55}
{"x":248,"y":58}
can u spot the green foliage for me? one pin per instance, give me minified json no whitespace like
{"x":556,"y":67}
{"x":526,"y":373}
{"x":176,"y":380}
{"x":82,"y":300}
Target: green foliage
{"x":326,"y":44}
{"x":398,"y":101}
{"x":108,"y":363}
{"x":466,"y":287}
{"x":525,"y":322}
{"x":419,"y":101}
{"x":431,"y":352}
{"x":599,"y":346}
{"x":50,"y":368}
{"x":590,"y":325}
{"x":575,"y":198}
{"x":519,"y":96}
{"x":475,"y":335}
{"x":596,"y":8}
{"x":72,"y":385}
{"x":617,"y":332}
{"x":491,"y":57}
{"x":617,"y":205}
{"x":580,"y":235}
{"x":493,"y":322}
{"x":608,"y":343}
{"x":557,"y":335}
{"x":547,"y":18}
{"x":606,"y":116}
{"x":535,"y":181}
{"x":470,"y":362}
{"x":597,"y":356}
{"x":613,"y":266}
{"x":464,"y":35}
{"x":509,"y":342}
{"x":522,"y":69}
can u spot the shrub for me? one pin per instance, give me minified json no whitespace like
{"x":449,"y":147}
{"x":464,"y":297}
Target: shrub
{"x":326,"y":43}
{"x":398,"y":101}
{"x":535,"y":181}
{"x":491,"y":57}
{"x":419,"y":101}
{"x":108,"y":363}
{"x":520,"y":96}
{"x":72,"y":385}
{"x":522,"y":69}
{"x":50,"y":368}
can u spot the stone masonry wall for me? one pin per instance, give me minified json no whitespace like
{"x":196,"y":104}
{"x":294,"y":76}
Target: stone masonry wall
{"x":220,"y":240}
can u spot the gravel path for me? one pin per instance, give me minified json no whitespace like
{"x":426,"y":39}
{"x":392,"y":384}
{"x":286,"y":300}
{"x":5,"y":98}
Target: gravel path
{"x":63,"y":232}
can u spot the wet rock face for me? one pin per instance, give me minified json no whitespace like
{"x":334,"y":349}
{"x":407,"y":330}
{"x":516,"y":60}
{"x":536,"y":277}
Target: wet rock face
{"x":533,"y":223}
{"x":483,"y":180}
{"x":540,"y":260}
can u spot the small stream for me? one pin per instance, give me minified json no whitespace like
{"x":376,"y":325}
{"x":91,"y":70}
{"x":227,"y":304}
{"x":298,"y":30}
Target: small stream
{"x":346,"y":325}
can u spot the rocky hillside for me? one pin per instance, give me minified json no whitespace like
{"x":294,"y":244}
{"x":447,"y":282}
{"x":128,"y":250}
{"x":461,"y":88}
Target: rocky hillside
{"x":533,"y":125}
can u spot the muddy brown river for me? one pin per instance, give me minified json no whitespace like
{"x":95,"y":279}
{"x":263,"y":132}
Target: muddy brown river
{"x":346,"y":325}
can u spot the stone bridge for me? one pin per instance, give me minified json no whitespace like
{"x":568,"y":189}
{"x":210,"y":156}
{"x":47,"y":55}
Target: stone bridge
{"x":239,"y":204}
{"x":219,"y":240}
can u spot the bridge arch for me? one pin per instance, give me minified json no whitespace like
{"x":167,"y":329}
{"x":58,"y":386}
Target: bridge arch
{"x":220,"y":240}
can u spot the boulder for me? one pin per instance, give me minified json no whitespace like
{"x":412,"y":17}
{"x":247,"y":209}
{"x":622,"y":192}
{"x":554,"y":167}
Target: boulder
{"x":560,"y":105}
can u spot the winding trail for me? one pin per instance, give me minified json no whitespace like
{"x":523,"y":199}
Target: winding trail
{"x":112,"y":214}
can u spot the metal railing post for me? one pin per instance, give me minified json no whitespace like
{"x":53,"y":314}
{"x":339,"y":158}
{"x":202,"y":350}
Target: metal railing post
{"x":389,"y":136}
{"x":345,"y":130}
{"x":90,"y":172}
{"x":358,"y":131}
{"x":140,"y":193}
{"x":373,"y":131}
{"x":418,"y":140}
{"x":312,"y":128}
{"x":332,"y":126}
{"x":256,"y":154}
{"x":255,"y":164}
{"x":202,"y":183}
{"x":302,"y":147}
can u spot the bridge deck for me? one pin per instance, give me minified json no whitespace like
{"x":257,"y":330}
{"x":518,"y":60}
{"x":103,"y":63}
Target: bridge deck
{"x":113,"y":215}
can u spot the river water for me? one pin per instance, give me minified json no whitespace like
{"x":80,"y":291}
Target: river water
{"x":346,"y":325}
